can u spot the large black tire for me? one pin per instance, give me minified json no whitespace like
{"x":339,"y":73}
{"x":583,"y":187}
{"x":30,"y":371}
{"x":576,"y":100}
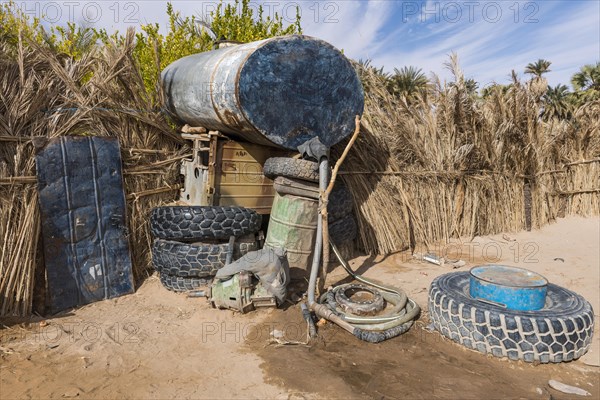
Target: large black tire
{"x":180,"y":284}
{"x":343,"y":230}
{"x":194,"y":260}
{"x":561,"y":331}
{"x":340,"y":202}
{"x":291,"y":168}
{"x":195,"y":223}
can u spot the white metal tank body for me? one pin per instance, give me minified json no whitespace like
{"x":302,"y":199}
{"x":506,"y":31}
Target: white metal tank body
{"x":279,"y":92}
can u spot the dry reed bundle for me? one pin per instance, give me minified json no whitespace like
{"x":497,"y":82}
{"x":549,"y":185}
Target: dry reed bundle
{"x":438,"y":165}
{"x":44,"y":95}
{"x":448,"y":163}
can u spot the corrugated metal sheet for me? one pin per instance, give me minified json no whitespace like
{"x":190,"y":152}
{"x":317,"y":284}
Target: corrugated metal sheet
{"x":84,"y":227}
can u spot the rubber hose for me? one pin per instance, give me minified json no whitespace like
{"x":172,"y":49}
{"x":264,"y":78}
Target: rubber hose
{"x":312,"y":329}
{"x":377,"y":337}
{"x":370,"y":329}
{"x":407,"y":313}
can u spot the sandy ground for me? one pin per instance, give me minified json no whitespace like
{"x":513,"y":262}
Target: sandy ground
{"x":159,"y":344}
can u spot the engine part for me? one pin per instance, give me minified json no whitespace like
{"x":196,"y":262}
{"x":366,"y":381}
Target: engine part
{"x":269,"y":265}
{"x":242,"y":292}
{"x":358,"y":299}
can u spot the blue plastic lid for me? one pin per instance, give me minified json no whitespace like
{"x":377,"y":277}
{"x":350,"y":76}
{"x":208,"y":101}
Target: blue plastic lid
{"x":508,"y":276}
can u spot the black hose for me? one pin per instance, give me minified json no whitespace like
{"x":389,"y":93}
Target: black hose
{"x":312,"y":329}
{"x":374,"y":329}
{"x":380,"y":336}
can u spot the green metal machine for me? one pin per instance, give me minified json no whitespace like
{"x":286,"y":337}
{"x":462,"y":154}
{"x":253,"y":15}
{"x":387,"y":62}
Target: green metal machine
{"x":243,"y":293}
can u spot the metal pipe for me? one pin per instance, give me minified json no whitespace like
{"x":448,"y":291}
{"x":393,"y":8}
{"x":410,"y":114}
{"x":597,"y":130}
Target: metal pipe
{"x":314,"y":270}
{"x":370,"y":329}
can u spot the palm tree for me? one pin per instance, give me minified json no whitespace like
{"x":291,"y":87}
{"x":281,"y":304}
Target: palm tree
{"x":587,"y":78}
{"x":538,"y":68}
{"x":409,"y":82}
{"x":371,"y":76}
{"x":557,"y":103}
{"x":587,"y":83}
{"x":495,"y":88}
{"x":366,"y":65}
{"x":471,"y":85}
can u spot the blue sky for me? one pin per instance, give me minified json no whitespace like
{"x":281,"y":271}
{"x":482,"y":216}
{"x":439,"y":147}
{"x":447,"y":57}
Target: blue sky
{"x":491,"y":38}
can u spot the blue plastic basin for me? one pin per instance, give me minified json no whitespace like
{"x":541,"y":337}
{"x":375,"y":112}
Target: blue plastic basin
{"x":509,"y":287}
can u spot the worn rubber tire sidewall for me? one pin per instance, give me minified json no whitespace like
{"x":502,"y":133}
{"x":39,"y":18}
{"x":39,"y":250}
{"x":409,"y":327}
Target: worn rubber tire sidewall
{"x":194,"y":259}
{"x":561,"y":331}
{"x":181,"y":284}
{"x":291,"y":168}
{"x":196,"y":223}
{"x":340,"y":202}
{"x":343,"y":230}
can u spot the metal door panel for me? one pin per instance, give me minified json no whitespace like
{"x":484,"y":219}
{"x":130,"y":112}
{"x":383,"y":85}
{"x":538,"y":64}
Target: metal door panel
{"x":84,"y":230}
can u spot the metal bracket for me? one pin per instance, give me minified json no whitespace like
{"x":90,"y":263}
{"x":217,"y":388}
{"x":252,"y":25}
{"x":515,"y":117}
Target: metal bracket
{"x":199,"y":171}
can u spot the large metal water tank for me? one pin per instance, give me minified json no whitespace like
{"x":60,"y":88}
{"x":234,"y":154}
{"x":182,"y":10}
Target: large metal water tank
{"x":281,"y":91}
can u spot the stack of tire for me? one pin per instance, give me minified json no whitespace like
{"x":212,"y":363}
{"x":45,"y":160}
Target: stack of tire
{"x":191,"y":243}
{"x":342,"y":223}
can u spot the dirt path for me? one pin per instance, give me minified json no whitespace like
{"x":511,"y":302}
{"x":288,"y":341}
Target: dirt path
{"x":424,"y":365}
{"x":153,"y":344}
{"x":158,"y":344}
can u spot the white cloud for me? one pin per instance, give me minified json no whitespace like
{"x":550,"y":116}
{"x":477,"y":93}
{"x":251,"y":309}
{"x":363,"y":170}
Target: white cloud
{"x":395,"y":33}
{"x":489,"y":51}
{"x":354,"y":26}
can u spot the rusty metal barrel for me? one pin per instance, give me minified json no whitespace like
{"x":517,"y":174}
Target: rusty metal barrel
{"x":293,"y":226}
{"x":279,"y":92}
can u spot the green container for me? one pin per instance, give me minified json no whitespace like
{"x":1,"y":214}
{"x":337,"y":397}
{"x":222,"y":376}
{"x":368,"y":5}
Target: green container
{"x":293,"y":226}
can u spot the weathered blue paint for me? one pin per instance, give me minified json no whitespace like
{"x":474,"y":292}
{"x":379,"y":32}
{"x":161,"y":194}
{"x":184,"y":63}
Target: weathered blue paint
{"x":513,"y":288}
{"x":281,"y":91}
{"x":83,"y":210}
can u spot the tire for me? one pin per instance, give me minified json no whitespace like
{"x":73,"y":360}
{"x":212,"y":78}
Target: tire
{"x":196,"y":260}
{"x":340,"y":202}
{"x":347,"y":250}
{"x":561,"y":331}
{"x":343,"y":230}
{"x":291,"y":168}
{"x":195,"y":223}
{"x":180,"y":284}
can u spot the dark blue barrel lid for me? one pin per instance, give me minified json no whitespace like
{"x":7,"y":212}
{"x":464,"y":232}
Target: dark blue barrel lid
{"x":294,"y":88}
